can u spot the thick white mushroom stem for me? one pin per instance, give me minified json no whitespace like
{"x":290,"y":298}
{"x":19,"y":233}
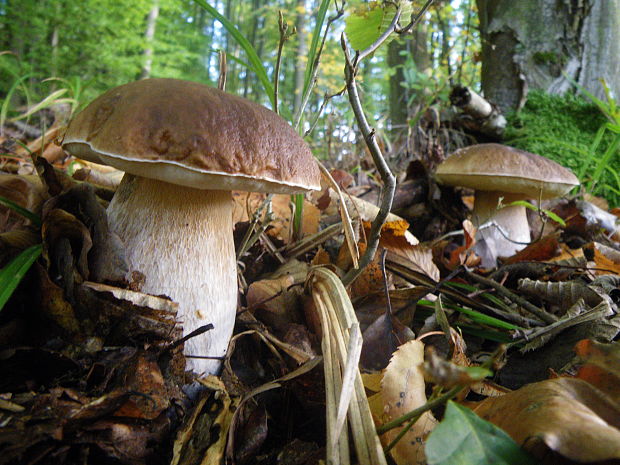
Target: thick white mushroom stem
{"x":508,"y":230}
{"x":181,"y":239}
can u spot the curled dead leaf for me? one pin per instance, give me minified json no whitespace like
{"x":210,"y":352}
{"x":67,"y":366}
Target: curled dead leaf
{"x":569,"y":416}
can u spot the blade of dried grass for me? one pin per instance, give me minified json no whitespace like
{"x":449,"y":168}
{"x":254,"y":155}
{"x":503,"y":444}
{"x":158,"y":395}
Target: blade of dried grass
{"x":349,"y":234}
{"x":337,"y":451}
{"x":338,"y":321}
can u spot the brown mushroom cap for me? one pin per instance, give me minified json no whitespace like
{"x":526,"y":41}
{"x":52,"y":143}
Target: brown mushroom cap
{"x":187,"y":133}
{"x":496,"y":167}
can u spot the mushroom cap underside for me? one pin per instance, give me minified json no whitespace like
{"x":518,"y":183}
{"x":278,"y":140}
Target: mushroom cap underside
{"x":496,"y":167}
{"x":191,"y":134}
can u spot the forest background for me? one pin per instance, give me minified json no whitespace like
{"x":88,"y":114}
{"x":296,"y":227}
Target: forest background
{"x":69,"y":52}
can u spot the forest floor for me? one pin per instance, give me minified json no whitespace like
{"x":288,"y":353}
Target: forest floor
{"x":93,"y":371}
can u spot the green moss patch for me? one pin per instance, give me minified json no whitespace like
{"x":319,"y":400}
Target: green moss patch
{"x":563,"y":128}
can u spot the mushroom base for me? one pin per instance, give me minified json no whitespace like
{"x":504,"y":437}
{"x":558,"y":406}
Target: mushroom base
{"x":509,"y":231}
{"x":181,"y":240}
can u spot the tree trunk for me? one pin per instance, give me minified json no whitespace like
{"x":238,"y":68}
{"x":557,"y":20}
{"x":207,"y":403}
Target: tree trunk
{"x":538,"y":43}
{"x":396,"y":58}
{"x":149,"y":36}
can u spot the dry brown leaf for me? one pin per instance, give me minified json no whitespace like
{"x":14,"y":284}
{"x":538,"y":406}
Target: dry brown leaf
{"x":381,"y":339}
{"x":543,"y":250}
{"x":570,"y":416}
{"x":602,"y":366}
{"x":25,"y":191}
{"x":274,"y":300}
{"x":202,"y":439}
{"x":606,"y":259}
{"x":394,"y":237}
{"x":246,"y":203}
{"x":321,"y":257}
{"x":402,"y":390}
{"x":566,"y":253}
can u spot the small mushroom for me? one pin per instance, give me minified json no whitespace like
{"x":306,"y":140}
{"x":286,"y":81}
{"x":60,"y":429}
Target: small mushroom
{"x":184,"y":146}
{"x":497,"y":171}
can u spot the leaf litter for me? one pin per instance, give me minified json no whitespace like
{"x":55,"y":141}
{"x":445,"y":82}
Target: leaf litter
{"x":93,"y":369}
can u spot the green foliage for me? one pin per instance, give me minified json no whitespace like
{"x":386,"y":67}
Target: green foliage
{"x":465,"y":438}
{"x":367,"y":21}
{"x":571,"y":131}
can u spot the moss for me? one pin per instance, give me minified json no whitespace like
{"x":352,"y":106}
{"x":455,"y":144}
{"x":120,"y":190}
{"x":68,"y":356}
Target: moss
{"x":544,"y":58}
{"x":561,"y":128}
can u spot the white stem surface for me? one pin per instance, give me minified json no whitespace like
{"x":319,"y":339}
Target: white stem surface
{"x":509,"y":231}
{"x":181,"y":239}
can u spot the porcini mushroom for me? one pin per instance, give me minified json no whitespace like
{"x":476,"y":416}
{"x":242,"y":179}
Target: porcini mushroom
{"x":497,"y":171}
{"x":184,"y":146}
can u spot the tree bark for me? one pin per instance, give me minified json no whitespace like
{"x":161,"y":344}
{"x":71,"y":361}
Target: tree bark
{"x":400,"y":96}
{"x":539,"y":43}
{"x":149,"y":36}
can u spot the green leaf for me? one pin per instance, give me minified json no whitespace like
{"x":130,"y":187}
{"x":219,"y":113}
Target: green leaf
{"x":21,"y":210}
{"x":367,"y":22}
{"x":51,"y":99}
{"x":255,"y":62}
{"x":528,"y":205}
{"x":465,"y":438}
{"x":12,"y":274}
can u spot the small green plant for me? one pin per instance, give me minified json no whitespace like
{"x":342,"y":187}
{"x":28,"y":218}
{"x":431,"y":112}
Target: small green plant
{"x":35,"y":94}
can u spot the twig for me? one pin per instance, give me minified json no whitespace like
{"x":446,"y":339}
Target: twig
{"x":310,"y":242}
{"x":284,"y":36}
{"x":389,"y":181}
{"x":326,"y":98}
{"x":503,"y":291}
{"x":415,"y":19}
{"x":431,"y":404}
{"x":221,"y":82}
{"x":382,"y":38}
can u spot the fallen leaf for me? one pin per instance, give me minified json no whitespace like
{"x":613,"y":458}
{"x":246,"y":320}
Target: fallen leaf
{"x":543,"y":250}
{"x":569,"y":416}
{"x":381,"y":339}
{"x":246,"y":203}
{"x":601,"y":366}
{"x":402,"y":390}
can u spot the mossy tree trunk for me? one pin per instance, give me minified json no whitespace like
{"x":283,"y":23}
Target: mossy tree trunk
{"x":535,"y":44}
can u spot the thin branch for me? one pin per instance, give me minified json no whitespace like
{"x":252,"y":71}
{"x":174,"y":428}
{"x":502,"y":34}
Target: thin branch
{"x":284,"y":36}
{"x":503,"y":291}
{"x":221,"y":82}
{"x":389,"y":181}
{"x":415,"y":19}
{"x":382,"y":38}
{"x":326,"y":99}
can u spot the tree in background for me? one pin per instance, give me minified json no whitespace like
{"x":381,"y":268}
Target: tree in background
{"x":544,"y":44}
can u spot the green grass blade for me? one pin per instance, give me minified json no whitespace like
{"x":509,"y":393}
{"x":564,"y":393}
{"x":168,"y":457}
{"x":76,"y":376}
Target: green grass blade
{"x":592,"y":152}
{"x":46,"y":102}
{"x":4,"y":110}
{"x":21,"y":210}
{"x":604,"y":160}
{"x":314,"y":45}
{"x":256,"y":64}
{"x":12,"y":274}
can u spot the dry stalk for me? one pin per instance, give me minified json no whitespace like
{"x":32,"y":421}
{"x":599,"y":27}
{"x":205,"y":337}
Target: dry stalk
{"x":341,"y":346}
